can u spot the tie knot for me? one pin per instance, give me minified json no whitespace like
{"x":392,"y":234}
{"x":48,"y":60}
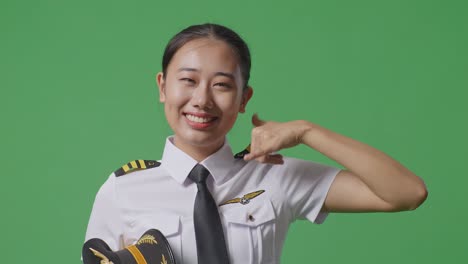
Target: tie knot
{"x":198,"y":174}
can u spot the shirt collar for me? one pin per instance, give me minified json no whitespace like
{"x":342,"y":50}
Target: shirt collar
{"x":179,"y":164}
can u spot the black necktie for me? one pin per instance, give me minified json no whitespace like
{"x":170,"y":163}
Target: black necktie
{"x":211,"y":246}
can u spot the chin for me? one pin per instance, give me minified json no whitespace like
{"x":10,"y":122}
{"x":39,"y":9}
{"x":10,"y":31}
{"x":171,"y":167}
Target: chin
{"x":201,"y":139}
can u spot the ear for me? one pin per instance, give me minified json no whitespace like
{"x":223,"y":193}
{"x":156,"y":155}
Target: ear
{"x":162,"y":87}
{"x":246,"y":95}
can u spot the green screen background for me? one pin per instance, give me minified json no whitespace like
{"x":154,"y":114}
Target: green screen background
{"x":78,"y":100}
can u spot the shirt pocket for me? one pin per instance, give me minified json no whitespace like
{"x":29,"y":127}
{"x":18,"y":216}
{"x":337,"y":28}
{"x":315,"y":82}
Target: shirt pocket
{"x":167,"y":223}
{"x":250,"y":232}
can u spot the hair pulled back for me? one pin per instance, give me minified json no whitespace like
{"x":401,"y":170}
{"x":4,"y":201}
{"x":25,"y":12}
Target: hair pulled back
{"x":215,"y":31}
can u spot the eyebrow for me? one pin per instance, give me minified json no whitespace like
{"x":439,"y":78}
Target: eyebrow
{"x":225,"y":74}
{"x":187,"y":69}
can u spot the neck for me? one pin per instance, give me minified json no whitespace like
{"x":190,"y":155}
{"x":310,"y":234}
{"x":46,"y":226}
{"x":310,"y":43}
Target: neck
{"x":198,"y":152}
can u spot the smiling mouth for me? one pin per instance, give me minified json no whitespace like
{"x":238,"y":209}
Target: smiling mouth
{"x":198,"y":119}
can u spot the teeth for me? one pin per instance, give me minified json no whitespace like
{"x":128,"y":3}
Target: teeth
{"x":198,"y":119}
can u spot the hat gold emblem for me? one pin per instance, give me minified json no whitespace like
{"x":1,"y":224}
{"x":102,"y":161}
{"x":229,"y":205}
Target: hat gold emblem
{"x":147,"y":239}
{"x":104,"y":259}
{"x":163,"y":260}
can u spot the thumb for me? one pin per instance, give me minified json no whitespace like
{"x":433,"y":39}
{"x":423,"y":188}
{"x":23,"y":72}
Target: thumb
{"x":256,"y":121}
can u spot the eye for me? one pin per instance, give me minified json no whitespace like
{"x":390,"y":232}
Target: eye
{"x":222,"y":84}
{"x":187,"y":80}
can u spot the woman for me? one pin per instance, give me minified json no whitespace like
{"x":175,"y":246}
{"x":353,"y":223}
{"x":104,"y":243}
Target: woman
{"x":204,"y":85}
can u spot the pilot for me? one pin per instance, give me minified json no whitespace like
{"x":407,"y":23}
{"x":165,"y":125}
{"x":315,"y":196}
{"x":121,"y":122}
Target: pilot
{"x":247,"y":201}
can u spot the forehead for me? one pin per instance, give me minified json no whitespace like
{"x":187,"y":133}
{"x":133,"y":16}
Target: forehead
{"x":206,"y":55}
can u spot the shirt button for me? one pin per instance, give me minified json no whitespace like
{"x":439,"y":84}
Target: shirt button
{"x":251,"y":218}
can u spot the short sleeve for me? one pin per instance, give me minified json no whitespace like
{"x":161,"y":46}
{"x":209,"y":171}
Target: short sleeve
{"x":306,"y":186}
{"x":105,"y":220}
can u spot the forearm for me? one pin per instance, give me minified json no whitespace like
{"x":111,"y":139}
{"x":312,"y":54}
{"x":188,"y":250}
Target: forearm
{"x":386,"y":177}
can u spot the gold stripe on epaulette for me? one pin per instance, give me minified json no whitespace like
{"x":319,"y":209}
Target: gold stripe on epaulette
{"x":136,"y":165}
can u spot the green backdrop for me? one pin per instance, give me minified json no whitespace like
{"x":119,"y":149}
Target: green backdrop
{"x":78,"y":99}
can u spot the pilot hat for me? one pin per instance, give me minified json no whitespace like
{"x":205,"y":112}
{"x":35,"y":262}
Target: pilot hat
{"x":151,"y":248}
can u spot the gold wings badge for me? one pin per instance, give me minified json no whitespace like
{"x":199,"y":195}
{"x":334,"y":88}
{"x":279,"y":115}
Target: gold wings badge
{"x":245,"y":199}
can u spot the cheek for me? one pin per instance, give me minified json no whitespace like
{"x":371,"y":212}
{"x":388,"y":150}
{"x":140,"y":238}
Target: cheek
{"x":230,"y":106}
{"x":176,"y":97}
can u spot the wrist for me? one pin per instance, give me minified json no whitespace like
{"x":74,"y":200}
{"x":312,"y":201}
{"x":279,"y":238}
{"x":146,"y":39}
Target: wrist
{"x":303,"y":129}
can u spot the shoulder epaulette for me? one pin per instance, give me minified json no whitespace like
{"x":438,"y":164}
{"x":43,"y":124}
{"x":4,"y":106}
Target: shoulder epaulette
{"x":241,"y":154}
{"x":136,"y":165}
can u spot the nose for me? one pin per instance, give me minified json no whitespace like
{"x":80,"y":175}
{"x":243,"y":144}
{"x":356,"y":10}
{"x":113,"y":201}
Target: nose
{"x":202,"y":97}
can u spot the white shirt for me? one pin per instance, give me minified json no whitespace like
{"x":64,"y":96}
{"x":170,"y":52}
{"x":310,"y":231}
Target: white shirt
{"x":163,"y":198}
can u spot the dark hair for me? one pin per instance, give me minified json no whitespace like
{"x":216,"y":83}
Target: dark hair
{"x":215,"y":31}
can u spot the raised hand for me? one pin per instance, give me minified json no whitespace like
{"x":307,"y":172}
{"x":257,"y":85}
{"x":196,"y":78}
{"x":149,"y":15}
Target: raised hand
{"x":269,"y":137}
{"x":371,"y":182}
